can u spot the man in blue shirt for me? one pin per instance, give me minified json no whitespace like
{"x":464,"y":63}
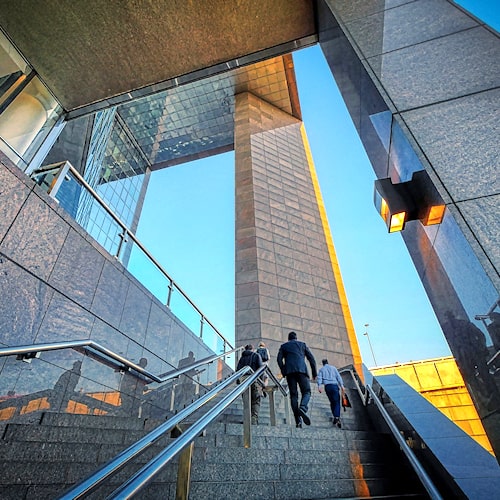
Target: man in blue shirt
{"x":291,"y":360}
{"x":330,"y":377}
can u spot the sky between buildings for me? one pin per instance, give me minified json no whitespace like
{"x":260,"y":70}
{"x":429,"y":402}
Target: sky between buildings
{"x":187,"y":223}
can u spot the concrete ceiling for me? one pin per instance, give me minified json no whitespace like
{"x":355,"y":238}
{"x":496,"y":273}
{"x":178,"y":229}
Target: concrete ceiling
{"x":108,"y":51}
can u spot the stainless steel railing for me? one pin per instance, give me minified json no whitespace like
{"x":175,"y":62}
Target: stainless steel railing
{"x":140,"y":479}
{"x":366,"y":394}
{"x":278,"y":383}
{"x":360,"y":388}
{"x":60,"y":171}
{"x":31,"y":351}
{"x":412,"y":459}
{"x":147,"y":473}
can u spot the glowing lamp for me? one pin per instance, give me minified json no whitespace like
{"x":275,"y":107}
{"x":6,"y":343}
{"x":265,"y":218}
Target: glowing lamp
{"x":416,"y":199}
{"x":435,"y":215}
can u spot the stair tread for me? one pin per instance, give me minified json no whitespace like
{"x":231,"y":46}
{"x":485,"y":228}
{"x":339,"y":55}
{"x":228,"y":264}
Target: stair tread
{"x":287,"y":460}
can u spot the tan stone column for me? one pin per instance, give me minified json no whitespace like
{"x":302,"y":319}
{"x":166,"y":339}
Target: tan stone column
{"x":287,"y":276}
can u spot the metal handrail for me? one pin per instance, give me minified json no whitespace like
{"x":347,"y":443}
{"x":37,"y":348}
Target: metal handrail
{"x":147,"y":473}
{"x":67,"y":166}
{"x":117,"y":463}
{"x":84,"y":344}
{"x":140,"y":479}
{"x":414,"y":462}
{"x":352,"y":371}
{"x":279,"y":385}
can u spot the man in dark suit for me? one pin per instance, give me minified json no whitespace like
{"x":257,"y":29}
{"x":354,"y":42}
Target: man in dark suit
{"x":291,"y":360}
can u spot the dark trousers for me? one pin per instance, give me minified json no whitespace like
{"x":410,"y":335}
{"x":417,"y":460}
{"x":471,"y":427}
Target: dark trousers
{"x":295,"y":381}
{"x":255,"y":397}
{"x":333,"y":393}
{"x":255,"y":394}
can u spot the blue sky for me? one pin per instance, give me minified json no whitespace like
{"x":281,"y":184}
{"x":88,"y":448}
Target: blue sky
{"x":189,"y":226}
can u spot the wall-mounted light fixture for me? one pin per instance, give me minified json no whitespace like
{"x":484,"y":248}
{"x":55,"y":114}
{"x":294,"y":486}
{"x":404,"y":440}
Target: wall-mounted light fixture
{"x":416,"y":199}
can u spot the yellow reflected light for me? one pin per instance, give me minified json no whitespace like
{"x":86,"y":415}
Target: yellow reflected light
{"x":384,"y":209}
{"x":397,"y":222}
{"x":435,"y":215}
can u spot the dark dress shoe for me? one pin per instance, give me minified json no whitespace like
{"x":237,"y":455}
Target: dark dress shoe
{"x":305,"y":416}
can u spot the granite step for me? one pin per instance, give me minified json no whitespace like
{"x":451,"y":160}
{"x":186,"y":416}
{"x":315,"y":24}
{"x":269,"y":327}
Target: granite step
{"x":40,"y":459}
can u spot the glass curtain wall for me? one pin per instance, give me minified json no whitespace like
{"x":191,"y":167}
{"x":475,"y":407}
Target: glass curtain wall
{"x":117,"y":176}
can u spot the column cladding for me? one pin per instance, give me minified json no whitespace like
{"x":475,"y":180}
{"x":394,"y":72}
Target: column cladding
{"x":287,"y":276}
{"x":421,"y":81}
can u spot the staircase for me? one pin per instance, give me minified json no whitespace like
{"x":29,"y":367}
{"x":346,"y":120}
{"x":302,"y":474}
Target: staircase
{"x":40,"y":459}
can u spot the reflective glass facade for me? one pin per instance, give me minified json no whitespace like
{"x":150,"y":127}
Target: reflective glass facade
{"x":197,"y":119}
{"x":174,"y":126}
{"x":121,"y":174}
{"x":101,"y":131}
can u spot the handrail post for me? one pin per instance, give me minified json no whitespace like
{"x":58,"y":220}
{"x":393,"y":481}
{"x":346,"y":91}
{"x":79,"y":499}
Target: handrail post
{"x":202,"y":321}
{"x":170,"y":290}
{"x":184,"y":473}
{"x":247,"y":418}
{"x":272,"y":408}
{"x":123,"y":240}
{"x":58,"y":179}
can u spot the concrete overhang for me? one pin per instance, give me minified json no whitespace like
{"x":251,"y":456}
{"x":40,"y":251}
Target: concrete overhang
{"x":93,"y":54}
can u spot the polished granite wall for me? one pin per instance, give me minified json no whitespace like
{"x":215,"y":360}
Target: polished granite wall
{"x":421,"y":82}
{"x":440,"y":382}
{"x":457,"y":465}
{"x":58,"y":284}
{"x":284,"y":253}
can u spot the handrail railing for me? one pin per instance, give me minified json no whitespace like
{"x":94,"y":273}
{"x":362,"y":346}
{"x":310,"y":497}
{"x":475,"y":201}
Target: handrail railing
{"x":362,"y":394}
{"x":146,"y":474}
{"x":31,"y":349}
{"x":413,"y":460}
{"x":62,"y":170}
{"x":356,"y":382}
{"x":279,"y":385}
